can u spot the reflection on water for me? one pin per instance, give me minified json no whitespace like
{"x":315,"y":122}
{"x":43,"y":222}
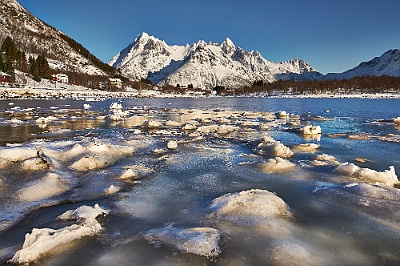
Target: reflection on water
{"x":57,"y":156}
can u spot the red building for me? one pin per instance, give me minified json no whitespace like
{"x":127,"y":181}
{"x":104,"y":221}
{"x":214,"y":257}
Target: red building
{"x":4,"y":77}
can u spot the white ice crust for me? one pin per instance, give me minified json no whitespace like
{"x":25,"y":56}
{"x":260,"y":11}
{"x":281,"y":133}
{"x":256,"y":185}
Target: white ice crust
{"x":276,"y":165}
{"x":272,"y":147}
{"x":387,"y":177}
{"x":199,"y":240}
{"x":250,"y":207}
{"x":311,"y":130}
{"x":50,"y":185}
{"x":42,"y":240}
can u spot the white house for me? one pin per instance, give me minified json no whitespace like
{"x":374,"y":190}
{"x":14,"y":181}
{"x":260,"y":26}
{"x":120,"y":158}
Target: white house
{"x":63,"y":78}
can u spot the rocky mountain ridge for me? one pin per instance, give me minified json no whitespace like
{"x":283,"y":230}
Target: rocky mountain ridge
{"x":35,"y":37}
{"x":204,"y":65}
{"x":386,"y":64}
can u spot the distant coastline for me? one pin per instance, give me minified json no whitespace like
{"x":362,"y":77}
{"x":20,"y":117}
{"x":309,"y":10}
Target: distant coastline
{"x":82,"y":93}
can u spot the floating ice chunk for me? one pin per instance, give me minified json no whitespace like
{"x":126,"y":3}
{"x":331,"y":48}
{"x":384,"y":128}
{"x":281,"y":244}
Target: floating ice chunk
{"x":324,"y":160}
{"x":172,"y":145}
{"x":306,"y":147}
{"x":250,"y":207}
{"x":151,"y":124}
{"x":276,"y":164}
{"x":115,"y":106}
{"x":112,"y":189}
{"x":97,"y":155}
{"x":225,"y":129}
{"x":136,"y":171}
{"x":359,"y":136}
{"x":128,"y":174}
{"x":207,"y":129}
{"x":86,"y":106}
{"x":49,"y":186}
{"x":282,"y":114}
{"x":92,"y":162}
{"x":189,"y":126}
{"x":271,"y":147}
{"x":171,"y":123}
{"x":311,"y":130}
{"x":41,"y":241}
{"x":202,"y":241}
{"x":387,"y":177}
{"x":397,"y":120}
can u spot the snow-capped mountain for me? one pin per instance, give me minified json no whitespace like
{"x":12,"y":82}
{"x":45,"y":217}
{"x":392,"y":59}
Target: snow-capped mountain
{"x":34,"y":37}
{"x":386,"y":64}
{"x":204,"y":65}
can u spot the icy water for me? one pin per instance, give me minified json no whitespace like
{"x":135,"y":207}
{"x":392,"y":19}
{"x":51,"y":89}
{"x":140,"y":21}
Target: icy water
{"x":219,"y":181}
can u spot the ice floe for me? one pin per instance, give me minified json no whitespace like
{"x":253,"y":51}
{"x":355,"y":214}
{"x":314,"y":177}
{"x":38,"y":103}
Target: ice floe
{"x":272,"y":147}
{"x":172,"y":145}
{"x":276,"y":165}
{"x":202,"y":241}
{"x":96,"y":155}
{"x":311,"y":130}
{"x":324,"y":160}
{"x":42,"y":240}
{"x":251,"y":207}
{"x":306,"y":147}
{"x":387,"y":177}
{"x":112,"y":189}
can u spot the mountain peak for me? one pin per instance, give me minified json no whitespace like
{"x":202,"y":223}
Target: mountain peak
{"x":142,"y":38}
{"x":228,"y":46}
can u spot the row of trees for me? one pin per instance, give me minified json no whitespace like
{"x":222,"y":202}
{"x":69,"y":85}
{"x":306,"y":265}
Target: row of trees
{"x":365,"y":84}
{"x":11,"y":58}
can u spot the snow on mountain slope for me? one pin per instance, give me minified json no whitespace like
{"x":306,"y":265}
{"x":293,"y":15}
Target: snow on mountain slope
{"x":201,"y":64}
{"x":35,"y":37}
{"x":386,"y":64}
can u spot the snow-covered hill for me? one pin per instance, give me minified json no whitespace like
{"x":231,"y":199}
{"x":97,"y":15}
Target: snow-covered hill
{"x":204,"y":65}
{"x":34,"y":37}
{"x":386,"y":64}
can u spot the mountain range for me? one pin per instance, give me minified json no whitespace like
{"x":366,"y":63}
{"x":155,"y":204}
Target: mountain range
{"x":204,"y":65}
{"x":201,"y":64}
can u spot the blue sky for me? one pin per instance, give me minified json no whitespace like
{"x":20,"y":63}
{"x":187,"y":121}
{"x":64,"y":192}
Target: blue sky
{"x":331,"y":35}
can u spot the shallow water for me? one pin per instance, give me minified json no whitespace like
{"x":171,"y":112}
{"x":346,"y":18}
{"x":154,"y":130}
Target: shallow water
{"x":336,"y":219}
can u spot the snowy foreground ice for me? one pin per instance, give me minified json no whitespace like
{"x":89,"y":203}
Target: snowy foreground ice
{"x":100,"y":183}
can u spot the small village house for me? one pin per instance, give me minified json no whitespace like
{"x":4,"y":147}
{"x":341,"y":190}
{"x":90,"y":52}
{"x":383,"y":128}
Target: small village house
{"x":4,"y":77}
{"x":63,"y":78}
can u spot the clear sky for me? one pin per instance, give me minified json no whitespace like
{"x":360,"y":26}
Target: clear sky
{"x":331,"y":35}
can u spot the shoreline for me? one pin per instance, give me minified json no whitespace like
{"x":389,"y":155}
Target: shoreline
{"x":84,"y":93}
